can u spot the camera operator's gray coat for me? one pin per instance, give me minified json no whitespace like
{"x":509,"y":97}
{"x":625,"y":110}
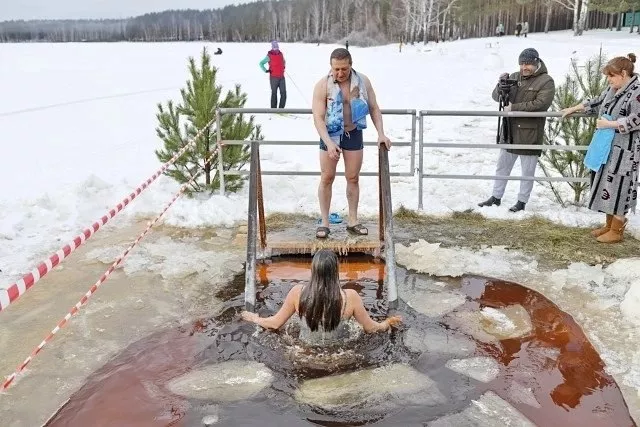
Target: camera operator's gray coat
{"x":614,"y":186}
{"x":533,"y":93}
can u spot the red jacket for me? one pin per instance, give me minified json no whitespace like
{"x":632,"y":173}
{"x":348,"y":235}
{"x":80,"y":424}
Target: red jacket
{"x":276,"y":63}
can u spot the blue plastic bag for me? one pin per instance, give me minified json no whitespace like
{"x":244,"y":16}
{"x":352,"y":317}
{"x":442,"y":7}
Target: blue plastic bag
{"x":334,"y":218}
{"x":359,"y":109}
{"x":599,"y":147}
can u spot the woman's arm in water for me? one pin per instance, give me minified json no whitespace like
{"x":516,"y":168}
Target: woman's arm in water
{"x":280,"y":318}
{"x":368,"y":324}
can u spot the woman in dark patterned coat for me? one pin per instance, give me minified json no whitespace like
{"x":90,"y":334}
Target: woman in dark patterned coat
{"x":614,"y":186}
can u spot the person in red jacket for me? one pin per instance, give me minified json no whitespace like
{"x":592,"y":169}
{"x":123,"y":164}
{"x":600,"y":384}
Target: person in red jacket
{"x":277,"y":64}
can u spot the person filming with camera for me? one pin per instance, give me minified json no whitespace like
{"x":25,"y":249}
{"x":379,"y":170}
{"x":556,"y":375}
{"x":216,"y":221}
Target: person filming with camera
{"x":530,"y":89}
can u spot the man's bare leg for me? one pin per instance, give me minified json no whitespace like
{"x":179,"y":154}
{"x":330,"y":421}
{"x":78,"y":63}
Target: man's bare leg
{"x":327,"y":176}
{"x":352,"y":165}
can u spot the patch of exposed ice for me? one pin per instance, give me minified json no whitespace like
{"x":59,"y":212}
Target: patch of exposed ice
{"x":505,"y":323}
{"x":230,"y":381}
{"x":484,"y":369}
{"x":488,"y":410}
{"x":376,"y":389}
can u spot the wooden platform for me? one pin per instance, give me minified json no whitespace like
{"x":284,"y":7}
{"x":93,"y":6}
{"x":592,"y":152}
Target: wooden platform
{"x":300,"y":239}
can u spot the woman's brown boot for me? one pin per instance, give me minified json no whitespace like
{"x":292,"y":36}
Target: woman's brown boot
{"x":600,"y":231}
{"x":614,"y":235}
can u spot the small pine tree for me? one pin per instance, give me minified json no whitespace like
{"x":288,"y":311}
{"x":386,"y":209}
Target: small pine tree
{"x":179,"y":124}
{"x":583,"y":82}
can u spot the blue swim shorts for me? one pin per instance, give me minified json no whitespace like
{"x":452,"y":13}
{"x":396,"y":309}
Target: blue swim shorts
{"x":350,"y":141}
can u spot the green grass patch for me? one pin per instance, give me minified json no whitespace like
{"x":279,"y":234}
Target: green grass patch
{"x":281,"y":221}
{"x":554,"y":245}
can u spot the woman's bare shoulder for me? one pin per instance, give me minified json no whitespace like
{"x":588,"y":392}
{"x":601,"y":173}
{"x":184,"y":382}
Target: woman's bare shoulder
{"x":352,"y":295}
{"x":294,"y":295}
{"x":296,"y":289}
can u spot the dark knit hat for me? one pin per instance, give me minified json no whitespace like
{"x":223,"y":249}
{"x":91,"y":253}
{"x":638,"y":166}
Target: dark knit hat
{"x":529,"y":56}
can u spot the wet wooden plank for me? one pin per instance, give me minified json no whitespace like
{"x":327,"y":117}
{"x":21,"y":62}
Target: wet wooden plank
{"x":301,"y":239}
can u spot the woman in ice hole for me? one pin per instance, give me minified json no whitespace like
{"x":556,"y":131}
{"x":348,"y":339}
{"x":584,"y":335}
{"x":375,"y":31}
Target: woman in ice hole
{"x":323,"y":306}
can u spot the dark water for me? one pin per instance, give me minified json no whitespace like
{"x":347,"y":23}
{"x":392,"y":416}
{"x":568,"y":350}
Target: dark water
{"x":555,"y":361}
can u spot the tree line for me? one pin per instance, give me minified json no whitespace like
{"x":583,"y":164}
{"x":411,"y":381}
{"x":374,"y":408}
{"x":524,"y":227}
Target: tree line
{"x":362,"y":22}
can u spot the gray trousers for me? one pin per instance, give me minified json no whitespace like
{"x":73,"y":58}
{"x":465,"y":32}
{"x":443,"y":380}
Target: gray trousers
{"x":504,"y":167}
{"x":278,"y":83}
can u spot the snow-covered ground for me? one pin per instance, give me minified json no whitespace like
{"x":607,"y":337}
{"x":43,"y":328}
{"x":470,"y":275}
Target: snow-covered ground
{"x":77,"y":131}
{"x":65,"y":165}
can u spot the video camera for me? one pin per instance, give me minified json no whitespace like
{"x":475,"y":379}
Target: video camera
{"x":506,"y":83}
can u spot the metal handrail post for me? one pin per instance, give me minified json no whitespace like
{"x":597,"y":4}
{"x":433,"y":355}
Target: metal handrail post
{"x":380,"y":197}
{"x":413,"y":143}
{"x":387,"y":219}
{"x":252,"y":225}
{"x":261,"y":218}
{"x":420,"y":158}
{"x":220,"y":150}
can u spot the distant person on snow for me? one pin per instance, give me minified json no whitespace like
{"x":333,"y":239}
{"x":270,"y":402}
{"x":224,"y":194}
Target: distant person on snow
{"x":277,"y":65}
{"x":218,"y":52}
{"x":346,"y":45}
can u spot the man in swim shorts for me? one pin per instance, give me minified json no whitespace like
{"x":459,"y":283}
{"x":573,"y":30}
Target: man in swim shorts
{"x":341,"y":102}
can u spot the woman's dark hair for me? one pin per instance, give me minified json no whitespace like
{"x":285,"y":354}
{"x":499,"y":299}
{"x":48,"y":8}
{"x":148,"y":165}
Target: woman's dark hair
{"x":616,"y":65}
{"x":321,"y":299}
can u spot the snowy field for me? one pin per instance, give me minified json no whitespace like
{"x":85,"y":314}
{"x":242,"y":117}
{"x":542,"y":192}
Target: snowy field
{"x":77,"y":130}
{"x":77,"y":123}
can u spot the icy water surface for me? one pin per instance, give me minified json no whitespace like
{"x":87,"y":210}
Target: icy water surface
{"x":472,"y":351}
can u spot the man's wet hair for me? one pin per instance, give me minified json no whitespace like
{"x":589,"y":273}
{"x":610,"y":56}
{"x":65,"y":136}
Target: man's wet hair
{"x":340,"y":54}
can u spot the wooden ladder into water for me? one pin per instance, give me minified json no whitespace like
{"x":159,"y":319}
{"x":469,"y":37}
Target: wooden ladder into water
{"x":378,"y":243}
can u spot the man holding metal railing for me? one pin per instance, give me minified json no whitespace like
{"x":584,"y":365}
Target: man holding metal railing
{"x":531,"y":89}
{"x":341,"y":102}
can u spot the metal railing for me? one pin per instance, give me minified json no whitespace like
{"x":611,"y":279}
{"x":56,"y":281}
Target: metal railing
{"x":256,"y":209}
{"x":415,"y":144}
{"x":462,"y":113}
{"x":223,"y":111}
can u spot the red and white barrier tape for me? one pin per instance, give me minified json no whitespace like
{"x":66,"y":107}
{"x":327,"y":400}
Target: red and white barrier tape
{"x":15,"y":290}
{"x":96,"y":285}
